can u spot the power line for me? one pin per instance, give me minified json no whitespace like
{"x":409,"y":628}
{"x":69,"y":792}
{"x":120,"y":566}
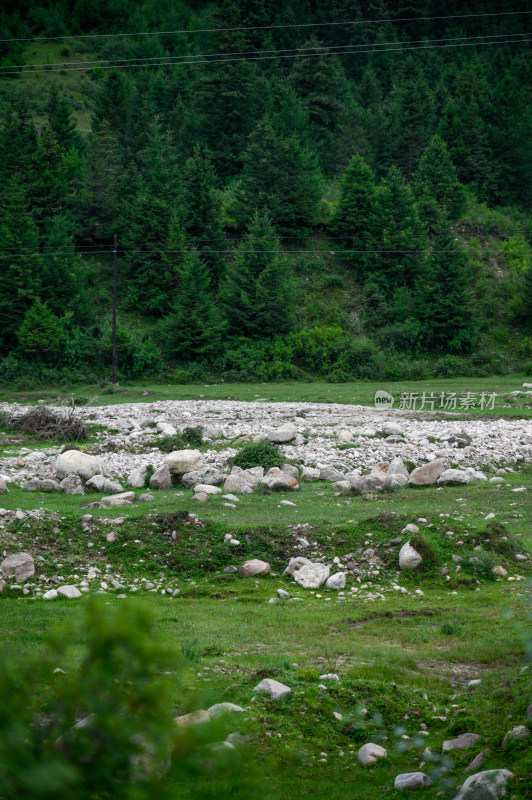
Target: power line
{"x":189,"y":32}
{"x":257,"y":53}
{"x":168,"y":62}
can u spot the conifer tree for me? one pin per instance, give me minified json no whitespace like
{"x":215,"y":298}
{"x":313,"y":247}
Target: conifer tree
{"x":193,"y":328}
{"x":443,"y":301}
{"x":440,"y":194}
{"x":351,"y":220}
{"x":100,"y":199}
{"x":19,"y":264}
{"x":41,"y":333}
{"x":202,"y":212}
{"x":411,"y":117}
{"x":64,"y":276}
{"x":49,"y":189}
{"x":60,"y":121}
{"x":257,"y":294}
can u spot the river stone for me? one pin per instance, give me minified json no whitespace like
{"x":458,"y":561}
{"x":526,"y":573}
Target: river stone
{"x":392,"y":429}
{"x":49,"y":485}
{"x":137,"y":478}
{"x":453,"y":477}
{"x":200,"y":497}
{"x":71,"y":592}
{"x":343,"y":437}
{"x":370,"y":753}
{"x":336,"y":581}
{"x":253,"y":567}
{"x":366,"y":484}
{"x":33,"y":485}
{"x":519,"y":732}
{"x":310,"y":474}
{"x":487,"y":785}
{"x":73,"y":462}
{"x":207,"y":476}
{"x":161,"y":478}
{"x":277,"y":480}
{"x":194,"y":718}
{"x":464,"y":740}
{"x":19,"y":565}
{"x":124,"y":498}
{"x":283,"y":434}
{"x":99,"y":483}
{"x":428,"y":473}
{"x":274,"y":688}
{"x":219,"y":709}
{"x":409,"y":558}
{"x":165,"y":429}
{"x":51,"y":594}
{"x":397,"y":467}
{"x":182,"y":461}
{"x":3,"y":485}
{"x":312,"y":576}
{"x":500,"y":572}
{"x":72,"y":484}
{"x":205,"y":488}
{"x":292,"y":470}
{"x":242,"y":481}
{"x":296,"y":563}
{"x":330,"y":474}
{"x":412,"y":780}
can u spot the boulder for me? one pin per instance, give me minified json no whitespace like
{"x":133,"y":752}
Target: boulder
{"x":220,"y":709}
{"x":161,"y":478}
{"x":310,"y":474}
{"x":51,"y":594}
{"x":394,"y":482}
{"x":391,"y":429}
{"x":205,"y":488}
{"x":464,"y":740}
{"x":397,"y":467}
{"x":283,"y":434}
{"x":342,"y":486}
{"x":330,"y":474}
{"x":366,"y":484}
{"x":194,"y":718}
{"x":312,"y":576}
{"x":33,"y":485}
{"x":49,"y":485}
{"x":3,"y":485}
{"x":146,"y":497}
{"x":370,"y":753}
{"x":73,"y":462}
{"x":296,"y":563}
{"x":487,"y":785}
{"x":519,"y":732}
{"x":428,"y":473}
{"x":201,"y":497}
{"x":99,"y":483}
{"x":71,"y":592}
{"x":409,"y":558}
{"x":274,"y":688}
{"x":379,"y":469}
{"x":344,"y":437}
{"x":122,"y":499}
{"x":253,"y":567}
{"x":336,"y":581}
{"x":208,"y":476}
{"x":242,"y":481}
{"x":500,"y":572}
{"x":453,"y":477}
{"x":72,"y":484}
{"x":165,"y":429}
{"x":280,"y":481}
{"x":138,"y":477}
{"x":412,"y":780}
{"x":292,"y":470}
{"x":19,"y":565}
{"x":182,"y":461}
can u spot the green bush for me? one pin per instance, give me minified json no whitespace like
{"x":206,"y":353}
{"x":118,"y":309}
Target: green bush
{"x":426,"y":550}
{"x":41,"y":333}
{"x":258,"y":454}
{"x":193,"y":436}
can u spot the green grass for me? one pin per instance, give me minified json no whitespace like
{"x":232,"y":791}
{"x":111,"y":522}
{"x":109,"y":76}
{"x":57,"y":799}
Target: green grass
{"x":360,"y":393}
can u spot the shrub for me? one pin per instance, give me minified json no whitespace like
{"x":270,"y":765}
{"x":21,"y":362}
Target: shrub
{"x":426,"y":550}
{"x":41,"y":333}
{"x":193,"y":436}
{"x":258,"y":454}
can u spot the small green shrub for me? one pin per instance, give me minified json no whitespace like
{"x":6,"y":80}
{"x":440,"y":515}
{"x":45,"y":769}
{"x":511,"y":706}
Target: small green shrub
{"x":258,"y":454}
{"x":150,"y":469}
{"x":426,"y":550}
{"x":193,"y":436}
{"x":451,"y":628}
{"x":169,"y":443}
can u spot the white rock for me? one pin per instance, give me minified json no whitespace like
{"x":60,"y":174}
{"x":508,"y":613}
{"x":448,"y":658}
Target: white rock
{"x":464,"y":740}
{"x":370,"y":753}
{"x":312,"y":576}
{"x":137,"y":478}
{"x":219,"y":709}
{"x":119,"y":499}
{"x":409,"y":558}
{"x":19,"y":565}
{"x":283,"y":434}
{"x":274,"y":688}
{"x":412,"y":780}
{"x":72,"y":592}
{"x":453,"y":477}
{"x":207,"y":488}
{"x":253,"y":567}
{"x":487,"y":785}
{"x":183,"y":461}
{"x":51,"y":594}
{"x":428,"y":473}
{"x":74,"y":462}
{"x":336,"y":581}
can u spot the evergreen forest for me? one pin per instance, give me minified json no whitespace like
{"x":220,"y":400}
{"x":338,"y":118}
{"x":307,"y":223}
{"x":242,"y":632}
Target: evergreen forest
{"x":299,"y":189}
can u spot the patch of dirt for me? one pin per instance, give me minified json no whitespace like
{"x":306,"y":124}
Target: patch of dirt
{"x":357,"y":624}
{"x":457,"y":674}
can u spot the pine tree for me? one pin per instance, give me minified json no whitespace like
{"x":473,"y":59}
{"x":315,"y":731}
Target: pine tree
{"x":60,"y":121}
{"x":49,"y":189}
{"x":100,"y":198}
{"x":351,"y":220}
{"x":20,"y":264}
{"x":192,"y":330}
{"x":41,"y":333}
{"x":411,"y":117}
{"x":279,"y":176}
{"x":64,"y":276}
{"x":319,"y":80}
{"x":395,"y":230}
{"x":257,"y":294}
{"x":202,"y":212}
{"x":114,"y":107}
{"x":443,"y":302}
{"x":440,"y":194}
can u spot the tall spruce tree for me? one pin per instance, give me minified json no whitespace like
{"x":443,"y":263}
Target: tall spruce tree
{"x":443,"y":301}
{"x":60,"y":121}
{"x":351,"y":222}
{"x":100,"y":199}
{"x":258,"y":295}
{"x":412,"y":117}
{"x":440,"y":194}
{"x":193,"y":328}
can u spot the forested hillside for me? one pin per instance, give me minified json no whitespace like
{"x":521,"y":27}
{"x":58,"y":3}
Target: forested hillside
{"x":336,"y":189}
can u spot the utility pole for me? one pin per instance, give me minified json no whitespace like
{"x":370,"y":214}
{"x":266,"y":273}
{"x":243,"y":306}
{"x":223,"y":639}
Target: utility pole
{"x":115,"y":272}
